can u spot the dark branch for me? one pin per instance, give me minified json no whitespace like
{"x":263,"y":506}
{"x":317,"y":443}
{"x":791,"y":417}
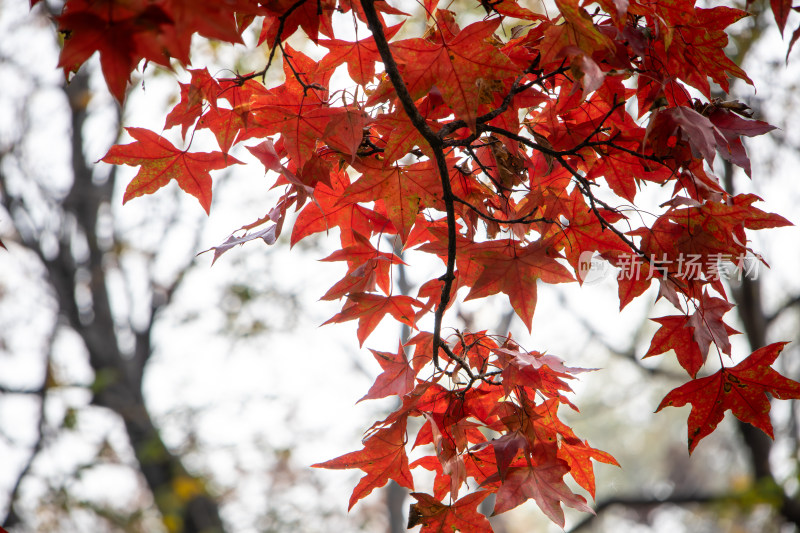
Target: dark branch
{"x":375,"y":26}
{"x":276,"y":43}
{"x":786,"y":306}
{"x":516,"y":89}
{"x":521,"y":220}
{"x":648,"y":503}
{"x":374,"y":23}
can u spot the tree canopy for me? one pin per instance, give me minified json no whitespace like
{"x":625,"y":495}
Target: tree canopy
{"x":515,"y":147}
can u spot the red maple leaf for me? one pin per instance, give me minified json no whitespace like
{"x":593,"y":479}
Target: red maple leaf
{"x":216,"y":20}
{"x":436,"y":517}
{"x":122,"y":36}
{"x":694,"y":43}
{"x":743,"y":389}
{"x":541,"y":372}
{"x":397,"y":377}
{"x":301,"y":123}
{"x":329,"y":212}
{"x":400,"y":135}
{"x":453,"y":65}
{"x":676,"y":334}
{"x":448,"y":436}
{"x":514,"y":270}
{"x":781,"y":9}
{"x":311,"y":15}
{"x":578,"y":33}
{"x":506,"y":449}
{"x":202,"y":87}
{"x":161,"y":162}
{"x":360,"y":55}
{"x":370,"y":309}
{"x":621,"y":171}
{"x":579,"y":455}
{"x":366,"y":267}
{"x":544,"y":483}
{"x":691,"y":126}
{"x":728,"y":216}
{"x":382,"y":458}
{"x":542,"y":426}
{"x":585,"y":233}
{"x":441,"y":482}
{"x":730,"y":126}
{"x":394,"y":186}
{"x":345,"y":131}
{"x":708,"y":325}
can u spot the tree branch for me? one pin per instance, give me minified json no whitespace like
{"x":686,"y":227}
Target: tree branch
{"x":436,"y":145}
{"x":628,"y":353}
{"x":521,"y":220}
{"x":786,"y":306}
{"x":648,"y":503}
{"x":516,"y":89}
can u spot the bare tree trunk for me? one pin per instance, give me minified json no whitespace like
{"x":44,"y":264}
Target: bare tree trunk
{"x":118,"y":376}
{"x":160,"y":468}
{"x":750,"y":309}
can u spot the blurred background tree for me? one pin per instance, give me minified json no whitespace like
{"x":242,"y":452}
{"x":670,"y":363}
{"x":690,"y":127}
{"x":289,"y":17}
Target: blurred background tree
{"x":140,"y":393}
{"x":94,"y":304}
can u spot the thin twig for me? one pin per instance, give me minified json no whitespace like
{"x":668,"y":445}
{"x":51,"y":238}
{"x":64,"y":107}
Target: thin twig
{"x":516,"y":89}
{"x":276,"y":43}
{"x":521,"y":220}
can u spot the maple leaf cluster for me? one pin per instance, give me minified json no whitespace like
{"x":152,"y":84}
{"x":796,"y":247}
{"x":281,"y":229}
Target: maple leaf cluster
{"x":483,"y":145}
